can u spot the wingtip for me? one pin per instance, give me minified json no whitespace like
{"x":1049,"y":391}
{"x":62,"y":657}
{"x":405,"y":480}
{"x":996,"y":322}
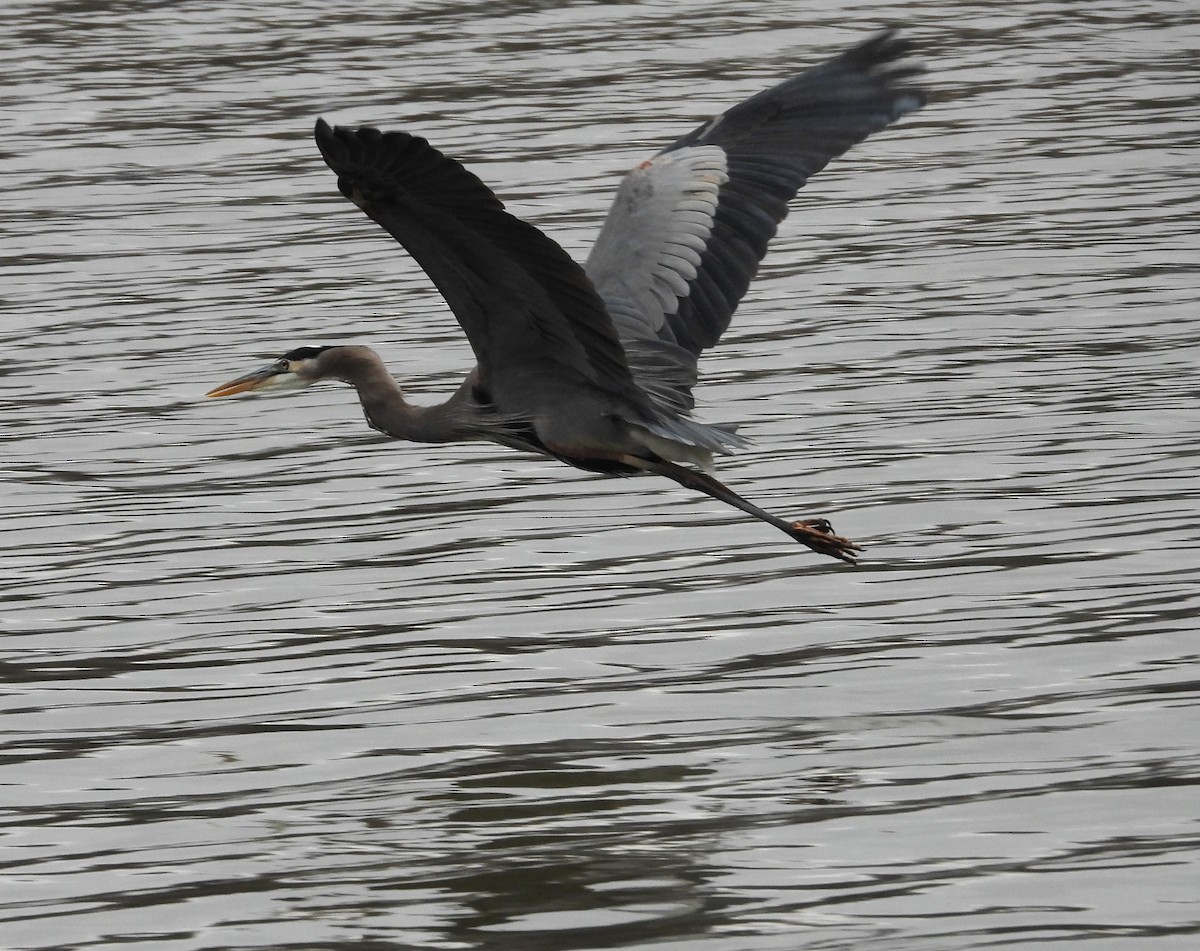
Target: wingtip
{"x":331,"y":141}
{"x":887,"y":56}
{"x":888,"y":43}
{"x":324,"y":133}
{"x":887,"y":51}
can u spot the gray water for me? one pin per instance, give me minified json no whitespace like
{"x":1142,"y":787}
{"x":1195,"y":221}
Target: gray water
{"x":271,"y":681}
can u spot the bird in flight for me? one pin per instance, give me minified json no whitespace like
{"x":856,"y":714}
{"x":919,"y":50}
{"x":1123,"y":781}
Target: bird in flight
{"x":594,"y":364}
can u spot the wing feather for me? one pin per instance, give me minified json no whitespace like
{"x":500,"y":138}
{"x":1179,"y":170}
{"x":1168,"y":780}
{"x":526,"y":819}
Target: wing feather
{"x":537,"y":326}
{"x":722,"y":191}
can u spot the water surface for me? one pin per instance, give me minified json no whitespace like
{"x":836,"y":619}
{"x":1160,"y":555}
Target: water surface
{"x":275,"y":682}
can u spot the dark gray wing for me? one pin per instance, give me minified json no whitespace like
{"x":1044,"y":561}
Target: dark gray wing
{"x":539,"y":330}
{"x":688,"y":228}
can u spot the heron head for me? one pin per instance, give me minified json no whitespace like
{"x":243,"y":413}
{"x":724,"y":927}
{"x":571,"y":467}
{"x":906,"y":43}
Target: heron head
{"x":294,"y":370}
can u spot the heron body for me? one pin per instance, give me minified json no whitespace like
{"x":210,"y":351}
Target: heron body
{"x":594,"y":364}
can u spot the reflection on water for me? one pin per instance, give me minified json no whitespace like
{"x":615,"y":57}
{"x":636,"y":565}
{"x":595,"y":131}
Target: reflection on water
{"x":275,"y":682}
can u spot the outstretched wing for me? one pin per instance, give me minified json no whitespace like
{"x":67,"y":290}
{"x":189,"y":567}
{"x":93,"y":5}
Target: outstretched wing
{"x":689,"y":227}
{"x":538,"y":328}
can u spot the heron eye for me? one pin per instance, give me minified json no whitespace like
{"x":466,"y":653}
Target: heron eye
{"x":282,"y":366}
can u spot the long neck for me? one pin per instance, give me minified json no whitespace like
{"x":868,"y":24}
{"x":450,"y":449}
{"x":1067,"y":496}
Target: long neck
{"x":384,"y":404}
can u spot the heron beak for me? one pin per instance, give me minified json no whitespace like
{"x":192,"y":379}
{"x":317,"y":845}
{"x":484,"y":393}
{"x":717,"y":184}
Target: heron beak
{"x":266,"y":377}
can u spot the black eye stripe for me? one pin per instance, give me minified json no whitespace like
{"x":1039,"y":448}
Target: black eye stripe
{"x":303,"y":353}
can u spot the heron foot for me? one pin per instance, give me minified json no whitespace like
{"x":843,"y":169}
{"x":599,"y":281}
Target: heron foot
{"x":818,"y":534}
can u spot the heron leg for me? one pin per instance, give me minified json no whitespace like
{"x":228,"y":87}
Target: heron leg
{"x":816,"y":533}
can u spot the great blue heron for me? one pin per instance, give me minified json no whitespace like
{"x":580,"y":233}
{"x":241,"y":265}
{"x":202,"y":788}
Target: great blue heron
{"x":595,"y":365}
